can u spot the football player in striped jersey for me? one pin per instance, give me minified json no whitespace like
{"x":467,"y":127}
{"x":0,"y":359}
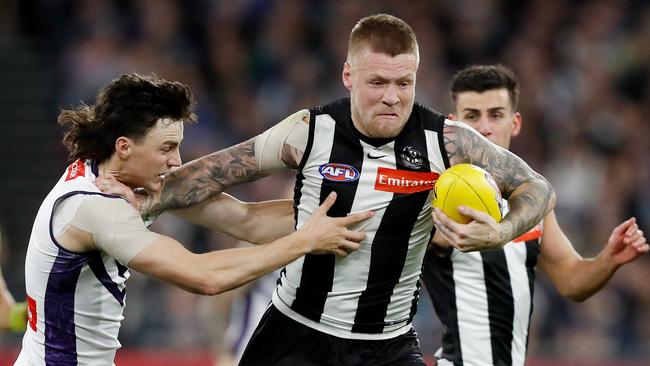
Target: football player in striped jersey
{"x":484,"y":300}
{"x":378,"y":150}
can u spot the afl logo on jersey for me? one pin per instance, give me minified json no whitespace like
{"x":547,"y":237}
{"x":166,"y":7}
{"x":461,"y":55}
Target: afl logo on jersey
{"x":337,"y":172}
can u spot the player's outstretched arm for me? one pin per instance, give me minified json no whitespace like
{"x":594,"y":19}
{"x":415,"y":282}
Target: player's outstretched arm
{"x":219,"y":271}
{"x":254,"y":222}
{"x":280,"y":147}
{"x":577,"y":278}
{"x":529,"y":195}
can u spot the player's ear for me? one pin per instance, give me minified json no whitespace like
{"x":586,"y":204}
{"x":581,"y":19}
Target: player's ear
{"x":517,"y":121}
{"x":123,"y":147}
{"x":347,"y":82}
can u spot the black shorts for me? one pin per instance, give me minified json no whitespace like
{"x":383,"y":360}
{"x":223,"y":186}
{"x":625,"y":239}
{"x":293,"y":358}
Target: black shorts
{"x":280,"y":340}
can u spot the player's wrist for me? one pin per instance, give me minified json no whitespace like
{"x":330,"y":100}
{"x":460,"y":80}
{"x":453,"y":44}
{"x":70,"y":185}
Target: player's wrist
{"x":310,"y":244}
{"x":301,"y":242}
{"x":607,"y":261}
{"x":506,"y":232}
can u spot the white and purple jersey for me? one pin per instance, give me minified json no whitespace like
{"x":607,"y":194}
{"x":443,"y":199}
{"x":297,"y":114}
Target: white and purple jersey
{"x":75,"y":300}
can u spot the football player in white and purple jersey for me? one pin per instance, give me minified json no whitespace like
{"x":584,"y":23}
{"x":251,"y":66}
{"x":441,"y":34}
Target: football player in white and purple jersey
{"x":84,"y":242}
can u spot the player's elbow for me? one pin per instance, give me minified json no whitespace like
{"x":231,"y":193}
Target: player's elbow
{"x":573,"y":294}
{"x":552,"y":200}
{"x":576,"y":297}
{"x":209,"y":287}
{"x":255,"y":236}
{"x":551,"y":196}
{"x":201,"y":283}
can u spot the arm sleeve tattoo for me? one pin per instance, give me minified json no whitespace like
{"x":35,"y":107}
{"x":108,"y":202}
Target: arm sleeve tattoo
{"x":206,"y":177}
{"x":529,"y":195}
{"x":280,"y":147}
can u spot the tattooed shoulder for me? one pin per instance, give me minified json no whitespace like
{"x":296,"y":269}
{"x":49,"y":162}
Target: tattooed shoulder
{"x":466,"y":145}
{"x":460,"y":142}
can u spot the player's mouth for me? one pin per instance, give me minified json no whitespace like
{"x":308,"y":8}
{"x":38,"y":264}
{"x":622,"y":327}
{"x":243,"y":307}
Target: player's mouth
{"x":388,"y":115}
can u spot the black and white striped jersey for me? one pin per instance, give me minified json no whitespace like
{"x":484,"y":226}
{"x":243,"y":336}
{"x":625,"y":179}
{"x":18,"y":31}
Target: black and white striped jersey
{"x":484,"y":301}
{"x":373,"y":292}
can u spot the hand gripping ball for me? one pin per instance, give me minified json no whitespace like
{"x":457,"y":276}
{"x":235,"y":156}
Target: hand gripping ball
{"x":467,"y":185}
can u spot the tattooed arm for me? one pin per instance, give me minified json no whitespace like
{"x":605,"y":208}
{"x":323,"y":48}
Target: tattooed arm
{"x":207,"y":176}
{"x":529,"y":195}
{"x":280,"y":147}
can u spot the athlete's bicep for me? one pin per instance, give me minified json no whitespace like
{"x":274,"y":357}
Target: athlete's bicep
{"x":167,"y":260}
{"x":115,"y":226}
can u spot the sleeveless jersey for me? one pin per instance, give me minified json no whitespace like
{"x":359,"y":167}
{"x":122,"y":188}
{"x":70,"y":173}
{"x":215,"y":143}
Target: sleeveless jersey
{"x":75,"y":300}
{"x":484,"y":301}
{"x":373,"y":292}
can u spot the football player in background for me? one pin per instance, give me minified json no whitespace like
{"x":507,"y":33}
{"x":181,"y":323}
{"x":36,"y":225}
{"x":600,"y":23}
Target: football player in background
{"x":484,"y":299}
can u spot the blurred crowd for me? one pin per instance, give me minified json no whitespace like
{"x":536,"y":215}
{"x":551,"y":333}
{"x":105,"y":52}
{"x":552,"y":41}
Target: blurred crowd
{"x":584,"y":72}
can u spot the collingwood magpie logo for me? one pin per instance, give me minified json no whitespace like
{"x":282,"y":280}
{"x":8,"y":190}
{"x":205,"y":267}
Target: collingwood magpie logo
{"x":411,"y":158}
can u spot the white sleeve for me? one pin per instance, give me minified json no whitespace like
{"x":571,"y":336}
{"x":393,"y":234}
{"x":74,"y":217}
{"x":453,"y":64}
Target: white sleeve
{"x":292,"y":131}
{"x":116,"y":227}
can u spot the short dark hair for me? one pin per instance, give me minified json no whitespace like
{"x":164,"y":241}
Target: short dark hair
{"x":383,"y":33}
{"x":128,"y":106}
{"x":480,"y":78}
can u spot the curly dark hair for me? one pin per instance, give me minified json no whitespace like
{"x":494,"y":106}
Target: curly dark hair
{"x":480,"y":78}
{"x":128,"y":106}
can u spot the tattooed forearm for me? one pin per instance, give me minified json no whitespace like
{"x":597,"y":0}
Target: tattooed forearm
{"x":207,"y":176}
{"x":529,"y":195}
{"x":530,"y":202}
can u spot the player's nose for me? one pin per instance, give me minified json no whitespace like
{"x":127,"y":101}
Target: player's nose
{"x":175,"y":159}
{"x":390,"y":95}
{"x":484,"y":126}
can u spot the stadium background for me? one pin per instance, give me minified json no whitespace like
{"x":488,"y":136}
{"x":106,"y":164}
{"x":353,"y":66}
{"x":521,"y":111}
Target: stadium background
{"x":584,"y":70}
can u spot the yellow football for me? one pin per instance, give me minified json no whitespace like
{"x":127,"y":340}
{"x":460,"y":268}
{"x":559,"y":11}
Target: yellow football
{"x":467,"y":185}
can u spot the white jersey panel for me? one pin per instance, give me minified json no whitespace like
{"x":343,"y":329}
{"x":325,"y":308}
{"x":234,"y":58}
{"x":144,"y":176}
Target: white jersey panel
{"x":515,"y":256}
{"x":435,"y":152}
{"x":355,"y":267}
{"x":472,"y":306}
{"x":75,"y":300}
